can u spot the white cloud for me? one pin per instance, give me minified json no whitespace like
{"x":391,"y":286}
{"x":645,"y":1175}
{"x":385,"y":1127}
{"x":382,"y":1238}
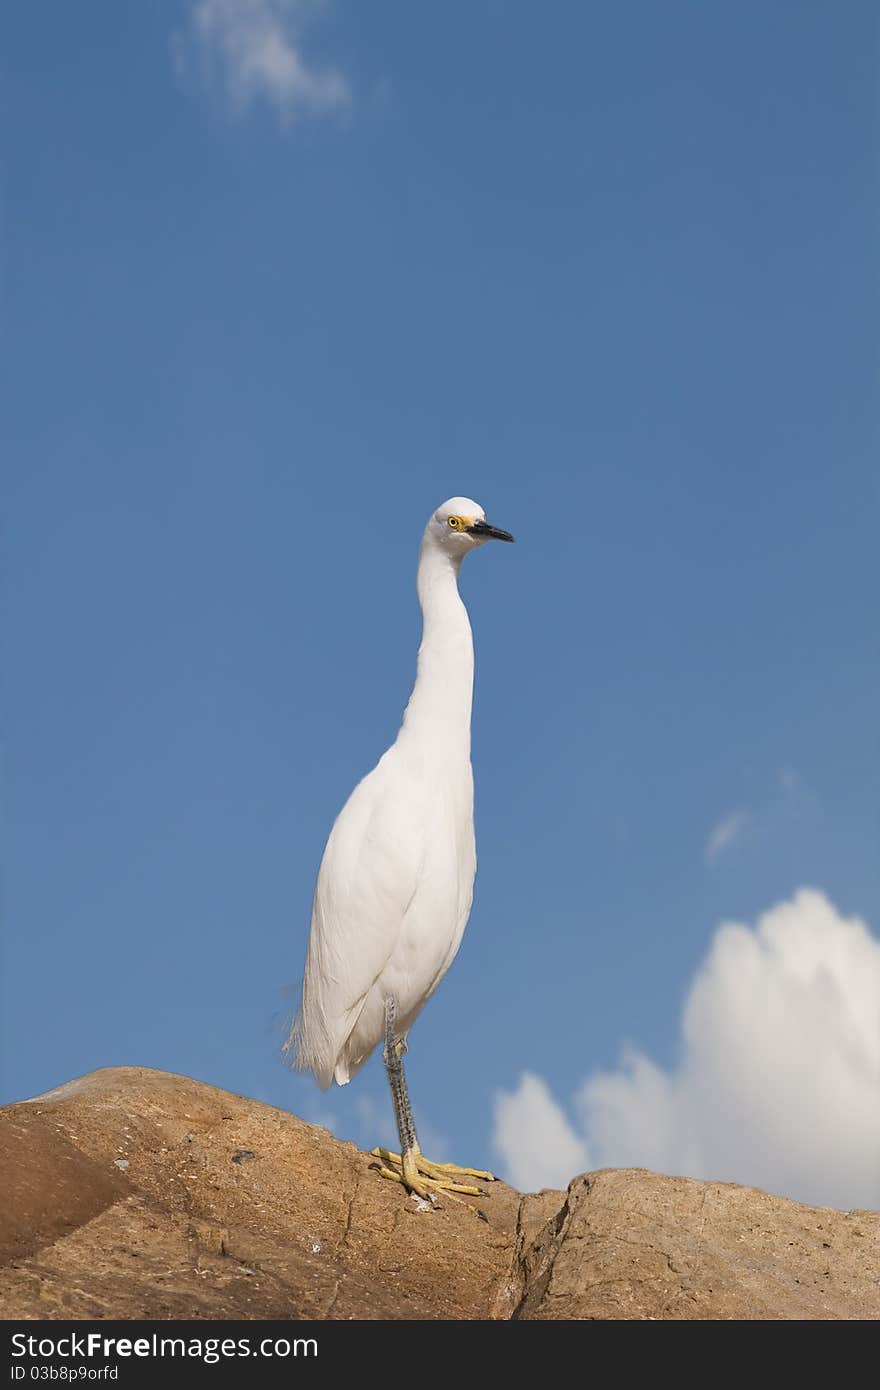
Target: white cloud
{"x":725,"y":833}
{"x":255,"y":48}
{"x":375,"y":1122}
{"x":788,"y":807}
{"x":779,"y":1080}
{"x":535,"y":1141}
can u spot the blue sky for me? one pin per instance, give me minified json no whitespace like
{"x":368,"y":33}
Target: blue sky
{"x":278,"y":280}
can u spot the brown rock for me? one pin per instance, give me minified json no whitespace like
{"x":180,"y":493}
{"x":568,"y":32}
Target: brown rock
{"x":133,"y":1193}
{"x":631,"y":1244}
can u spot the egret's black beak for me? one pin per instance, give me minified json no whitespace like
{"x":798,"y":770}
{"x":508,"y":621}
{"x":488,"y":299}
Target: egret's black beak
{"x":489,"y":533}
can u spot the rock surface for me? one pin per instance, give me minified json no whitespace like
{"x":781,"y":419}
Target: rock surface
{"x":136,"y":1194}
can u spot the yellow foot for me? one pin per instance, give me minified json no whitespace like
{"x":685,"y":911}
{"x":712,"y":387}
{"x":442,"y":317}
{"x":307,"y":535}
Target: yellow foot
{"x":419,"y":1175}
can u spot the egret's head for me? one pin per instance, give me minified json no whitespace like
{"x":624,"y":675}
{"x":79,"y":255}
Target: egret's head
{"x":460,"y":524}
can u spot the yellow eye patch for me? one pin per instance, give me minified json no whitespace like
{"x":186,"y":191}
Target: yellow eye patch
{"x":460,"y":523}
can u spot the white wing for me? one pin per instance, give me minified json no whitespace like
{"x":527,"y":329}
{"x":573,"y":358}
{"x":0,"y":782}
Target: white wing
{"x":368,"y":876}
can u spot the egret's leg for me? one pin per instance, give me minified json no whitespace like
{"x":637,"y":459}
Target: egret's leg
{"x":394,"y":1050}
{"x":417,"y":1173}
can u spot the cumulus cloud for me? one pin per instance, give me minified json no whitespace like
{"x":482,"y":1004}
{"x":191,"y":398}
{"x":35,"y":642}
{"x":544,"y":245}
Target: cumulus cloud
{"x":778,"y":1084}
{"x":254,"y":47}
{"x":535,"y":1140}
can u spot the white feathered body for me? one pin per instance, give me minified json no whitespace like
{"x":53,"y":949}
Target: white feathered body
{"x":395,"y":885}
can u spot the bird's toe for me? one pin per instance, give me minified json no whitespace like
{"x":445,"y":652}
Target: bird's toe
{"x":419,"y":1175}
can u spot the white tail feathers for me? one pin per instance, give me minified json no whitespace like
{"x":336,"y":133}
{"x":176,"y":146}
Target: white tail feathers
{"x":305,"y":1052}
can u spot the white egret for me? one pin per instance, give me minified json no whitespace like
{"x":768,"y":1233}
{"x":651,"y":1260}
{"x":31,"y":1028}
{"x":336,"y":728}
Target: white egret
{"x":396,"y":880}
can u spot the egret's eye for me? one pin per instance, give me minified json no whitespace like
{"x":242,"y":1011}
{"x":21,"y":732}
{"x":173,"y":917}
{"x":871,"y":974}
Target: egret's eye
{"x":455,"y":523}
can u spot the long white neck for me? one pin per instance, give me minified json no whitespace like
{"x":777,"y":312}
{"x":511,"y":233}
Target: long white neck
{"x":438,"y":715}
